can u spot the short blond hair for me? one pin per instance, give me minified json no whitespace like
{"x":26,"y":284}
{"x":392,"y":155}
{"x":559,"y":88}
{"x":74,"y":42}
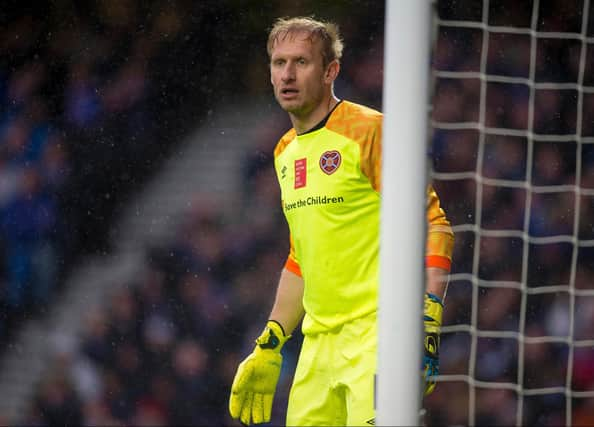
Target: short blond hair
{"x":327,"y":32}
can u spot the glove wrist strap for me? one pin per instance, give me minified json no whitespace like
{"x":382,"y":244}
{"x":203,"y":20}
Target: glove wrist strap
{"x":273,"y":337}
{"x":433,"y":312}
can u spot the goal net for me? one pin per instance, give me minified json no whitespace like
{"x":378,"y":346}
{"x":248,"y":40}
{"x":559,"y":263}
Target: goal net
{"x":512,"y":145}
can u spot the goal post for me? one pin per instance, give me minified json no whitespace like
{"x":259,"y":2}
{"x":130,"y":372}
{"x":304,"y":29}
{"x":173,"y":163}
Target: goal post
{"x":405,"y":103}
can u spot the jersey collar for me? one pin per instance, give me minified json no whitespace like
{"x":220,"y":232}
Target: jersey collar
{"x":322,"y":123}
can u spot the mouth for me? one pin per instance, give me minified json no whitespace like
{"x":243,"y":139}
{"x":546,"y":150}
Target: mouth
{"x":289,"y":93}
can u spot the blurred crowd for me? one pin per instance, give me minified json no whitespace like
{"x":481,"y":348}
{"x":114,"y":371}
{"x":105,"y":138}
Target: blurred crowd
{"x":164,"y":349}
{"x":80,"y":90}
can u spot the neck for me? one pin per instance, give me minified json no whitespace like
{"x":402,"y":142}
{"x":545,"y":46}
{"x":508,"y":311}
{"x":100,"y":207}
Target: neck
{"x":304,"y":123}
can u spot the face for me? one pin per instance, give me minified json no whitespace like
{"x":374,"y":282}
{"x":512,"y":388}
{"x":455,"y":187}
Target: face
{"x":298,"y":76}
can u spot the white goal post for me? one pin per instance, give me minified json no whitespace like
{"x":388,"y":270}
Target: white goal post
{"x":405,"y":101}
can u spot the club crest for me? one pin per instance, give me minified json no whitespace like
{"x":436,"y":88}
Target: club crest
{"x":330,"y":161}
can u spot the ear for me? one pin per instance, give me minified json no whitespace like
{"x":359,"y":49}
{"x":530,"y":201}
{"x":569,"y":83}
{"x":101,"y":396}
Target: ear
{"x":332,"y":72}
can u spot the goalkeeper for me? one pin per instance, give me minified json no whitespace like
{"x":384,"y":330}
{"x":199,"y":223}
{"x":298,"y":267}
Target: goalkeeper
{"x":329,"y":171}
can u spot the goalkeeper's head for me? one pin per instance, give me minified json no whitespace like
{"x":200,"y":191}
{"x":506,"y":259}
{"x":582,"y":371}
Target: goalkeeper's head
{"x":304,"y":62}
{"x":326,"y":32}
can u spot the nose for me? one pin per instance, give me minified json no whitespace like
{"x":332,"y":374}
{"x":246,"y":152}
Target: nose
{"x":288,"y":73}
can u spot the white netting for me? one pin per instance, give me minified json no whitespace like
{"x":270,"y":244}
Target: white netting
{"x":513,"y":150}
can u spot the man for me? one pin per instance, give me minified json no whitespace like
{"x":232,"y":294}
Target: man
{"x":329,"y":171}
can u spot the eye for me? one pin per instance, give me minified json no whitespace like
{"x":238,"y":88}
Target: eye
{"x":278,"y":62}
{"x":301,"y":61}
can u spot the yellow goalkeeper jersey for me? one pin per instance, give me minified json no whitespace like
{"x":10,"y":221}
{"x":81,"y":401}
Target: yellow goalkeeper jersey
{"x":330,"y":186}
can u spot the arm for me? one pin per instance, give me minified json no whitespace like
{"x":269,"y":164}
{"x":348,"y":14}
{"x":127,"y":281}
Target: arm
{"x":440,"y":241}
{"x":437,"y":281}
{"x":254,"y":385}
{"x":288,"y":305}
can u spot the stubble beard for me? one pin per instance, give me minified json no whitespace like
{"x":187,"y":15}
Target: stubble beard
{"x":300,"y":109}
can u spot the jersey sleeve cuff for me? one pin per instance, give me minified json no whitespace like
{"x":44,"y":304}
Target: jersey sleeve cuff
{"x":438,"y":261}
{"x":293,"y":267}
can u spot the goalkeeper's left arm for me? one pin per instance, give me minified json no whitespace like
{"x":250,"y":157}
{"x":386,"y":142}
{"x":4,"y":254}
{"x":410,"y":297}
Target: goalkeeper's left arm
{"x":439,"y":248}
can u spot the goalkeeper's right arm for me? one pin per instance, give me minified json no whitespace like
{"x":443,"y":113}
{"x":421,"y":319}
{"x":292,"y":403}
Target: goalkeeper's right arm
{"x":254,"y":386}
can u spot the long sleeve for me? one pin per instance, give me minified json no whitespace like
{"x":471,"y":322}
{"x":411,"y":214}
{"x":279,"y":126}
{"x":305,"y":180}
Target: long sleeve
{"x":440,"y":238}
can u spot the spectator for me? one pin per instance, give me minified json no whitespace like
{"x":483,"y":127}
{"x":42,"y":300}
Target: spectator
{"x":27,"y":225}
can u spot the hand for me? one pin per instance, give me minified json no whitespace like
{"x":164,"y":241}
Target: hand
{"x":255,"y":382}
{"x":432,"y":322}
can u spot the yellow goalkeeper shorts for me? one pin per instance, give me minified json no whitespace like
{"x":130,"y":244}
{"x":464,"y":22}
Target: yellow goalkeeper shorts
{"x":335,"y":377}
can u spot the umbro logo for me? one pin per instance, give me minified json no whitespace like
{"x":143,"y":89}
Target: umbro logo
{"x":284,"y":172}
{"x":371,"y":422}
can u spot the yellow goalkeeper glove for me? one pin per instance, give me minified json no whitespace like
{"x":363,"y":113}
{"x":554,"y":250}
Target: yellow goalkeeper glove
{"x":254,"y":385}
{"x":432,"y":320}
